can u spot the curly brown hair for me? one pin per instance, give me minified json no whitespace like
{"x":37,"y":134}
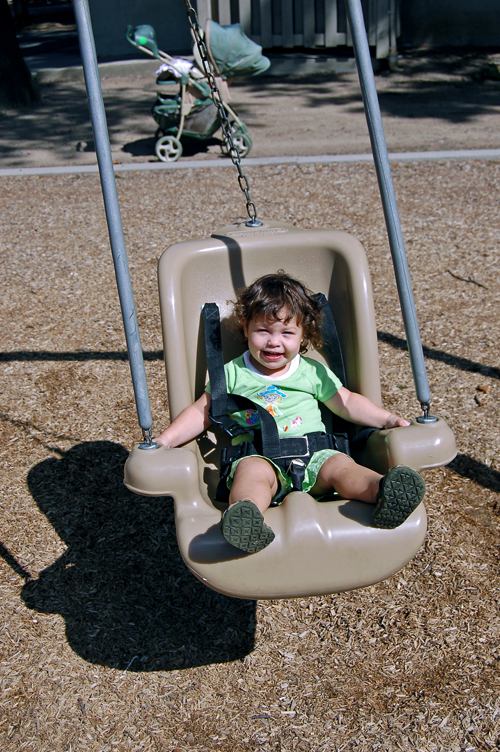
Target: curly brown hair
{"x":272,"y":293}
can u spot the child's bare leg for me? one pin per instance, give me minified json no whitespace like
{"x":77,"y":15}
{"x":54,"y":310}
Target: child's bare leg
{"x":254,"y":479}
{"x":348,"y":479}
{"x":242,"y":524}
{"x":396,"y":494}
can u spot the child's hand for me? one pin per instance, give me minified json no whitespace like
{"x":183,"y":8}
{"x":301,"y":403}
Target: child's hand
{"x":394,"y":421}
{"x":192,"y":421}
{"x":162,"y":440}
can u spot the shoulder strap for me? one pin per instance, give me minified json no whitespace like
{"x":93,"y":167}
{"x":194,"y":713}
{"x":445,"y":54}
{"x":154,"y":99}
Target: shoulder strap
{"x":331,"y":340}
{"x":215,"y":358}
{"x":341,"y":429}
{"x":221,"y":401}
{"x":348,"y":441}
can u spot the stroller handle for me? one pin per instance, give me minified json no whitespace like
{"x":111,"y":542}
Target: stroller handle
{"x":143,"y":37}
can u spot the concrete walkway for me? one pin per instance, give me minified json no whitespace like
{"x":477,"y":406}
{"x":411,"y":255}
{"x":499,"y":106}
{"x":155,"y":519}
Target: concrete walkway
{"x":415,"y":156}
{"x":433,"y":107}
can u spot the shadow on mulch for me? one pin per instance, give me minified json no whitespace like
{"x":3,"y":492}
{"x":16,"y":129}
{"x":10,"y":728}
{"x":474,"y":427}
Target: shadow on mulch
{"x":463,"y":364}
{"x":468,"y":467}
{"x":127,"y":598}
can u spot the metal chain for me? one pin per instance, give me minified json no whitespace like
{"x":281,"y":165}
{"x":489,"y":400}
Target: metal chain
{"x":233,"y":152}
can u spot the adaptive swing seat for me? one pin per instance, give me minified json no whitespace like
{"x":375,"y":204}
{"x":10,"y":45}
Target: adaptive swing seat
{"x":320,"y":547}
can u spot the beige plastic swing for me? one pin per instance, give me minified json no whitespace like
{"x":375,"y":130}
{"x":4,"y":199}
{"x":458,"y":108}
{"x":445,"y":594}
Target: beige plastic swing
{"x":320,"y":547}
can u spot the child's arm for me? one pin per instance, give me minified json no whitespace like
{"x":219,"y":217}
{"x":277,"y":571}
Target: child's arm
{"x":358,"y":409}
{"x":188,"y":425}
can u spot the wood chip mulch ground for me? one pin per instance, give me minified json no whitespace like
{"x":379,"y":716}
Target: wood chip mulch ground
{"x":107,"y":642}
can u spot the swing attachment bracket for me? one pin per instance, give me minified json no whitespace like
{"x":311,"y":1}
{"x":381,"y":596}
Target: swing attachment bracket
{"x":148,"y":442}
{"x":426,"y":417}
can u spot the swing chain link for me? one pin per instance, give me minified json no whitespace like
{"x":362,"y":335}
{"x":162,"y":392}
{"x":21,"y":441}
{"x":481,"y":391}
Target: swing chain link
{"x":147,"y":440}
{"x":232,"y":149}
{"x":426,"y":417}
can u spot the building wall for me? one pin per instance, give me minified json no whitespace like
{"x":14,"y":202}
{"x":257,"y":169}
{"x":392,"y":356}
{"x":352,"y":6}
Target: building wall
{"x":450,"y":23}
{"x":110,"y":19}
{"x":424,"y":23}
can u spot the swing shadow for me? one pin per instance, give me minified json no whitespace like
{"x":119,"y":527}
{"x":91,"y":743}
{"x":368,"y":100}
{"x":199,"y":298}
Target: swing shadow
{"x":455,"y":361}
{"x":127,"y":598}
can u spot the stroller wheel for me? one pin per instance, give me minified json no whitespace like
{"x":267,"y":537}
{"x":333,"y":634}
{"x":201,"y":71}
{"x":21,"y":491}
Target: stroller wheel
{"x":168,"y":149}
{"x":243,"y":142}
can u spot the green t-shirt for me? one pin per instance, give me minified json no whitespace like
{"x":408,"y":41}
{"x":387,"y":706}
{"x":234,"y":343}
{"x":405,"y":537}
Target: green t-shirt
{"x":292,"y":399}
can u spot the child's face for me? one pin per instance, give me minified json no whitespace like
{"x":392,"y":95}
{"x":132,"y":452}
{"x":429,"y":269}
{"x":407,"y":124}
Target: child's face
{"x":273,"y":344}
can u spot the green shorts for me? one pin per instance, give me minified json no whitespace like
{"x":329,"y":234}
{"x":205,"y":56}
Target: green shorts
{"x":285,"y":482}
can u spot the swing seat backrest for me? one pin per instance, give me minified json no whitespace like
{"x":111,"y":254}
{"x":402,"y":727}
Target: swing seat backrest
{"x":320,"y":547}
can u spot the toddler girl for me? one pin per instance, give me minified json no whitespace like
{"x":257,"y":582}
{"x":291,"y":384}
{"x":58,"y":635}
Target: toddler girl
{"x":280,"y":319}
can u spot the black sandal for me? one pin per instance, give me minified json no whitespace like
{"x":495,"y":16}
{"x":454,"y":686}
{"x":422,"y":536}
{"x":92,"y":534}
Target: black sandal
{"x":400,"y":492}
{"x":243,"y":526}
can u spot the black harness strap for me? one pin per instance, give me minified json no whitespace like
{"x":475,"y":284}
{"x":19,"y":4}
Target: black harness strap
{"x":331,"y":341}
{"x":348,"y":440}
{"x":341,"y":429}
{"x":215,"y":357}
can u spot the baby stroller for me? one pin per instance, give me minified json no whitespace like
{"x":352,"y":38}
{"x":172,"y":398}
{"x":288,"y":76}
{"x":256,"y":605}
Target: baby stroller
{"x":185,"y":107}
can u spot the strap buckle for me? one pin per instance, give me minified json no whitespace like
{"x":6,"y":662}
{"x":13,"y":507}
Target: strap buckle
{"x":229,"y":426}
{"x":299,"y":446}
{"x":297,"y":471}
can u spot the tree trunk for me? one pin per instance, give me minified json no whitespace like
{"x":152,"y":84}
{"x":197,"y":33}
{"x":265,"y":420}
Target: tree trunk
{"x":22,"y":16}
{"x":17,"y":87}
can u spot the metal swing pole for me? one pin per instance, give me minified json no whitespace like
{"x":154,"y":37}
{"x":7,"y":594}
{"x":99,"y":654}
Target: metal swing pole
{"x":388,"y":196}
{"x":113,"y":217}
